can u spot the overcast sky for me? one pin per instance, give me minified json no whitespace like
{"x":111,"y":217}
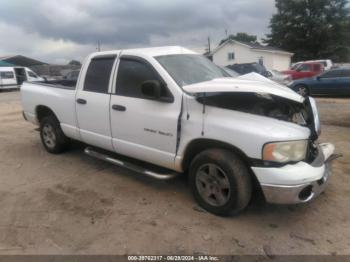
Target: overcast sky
{"x":60,"y":30}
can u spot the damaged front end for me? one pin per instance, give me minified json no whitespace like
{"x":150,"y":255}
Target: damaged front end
{"x":254,"y":94}
{"x":301,"y":113}
{"x":293,"y":167}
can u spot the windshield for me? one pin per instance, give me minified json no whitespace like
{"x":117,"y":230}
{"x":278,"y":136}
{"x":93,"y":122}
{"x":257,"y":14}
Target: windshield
{"x":190,"y":69}
{"x":295,"y":67}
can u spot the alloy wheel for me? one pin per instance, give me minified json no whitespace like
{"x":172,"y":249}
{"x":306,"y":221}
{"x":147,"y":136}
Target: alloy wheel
{"x":213,"y":184}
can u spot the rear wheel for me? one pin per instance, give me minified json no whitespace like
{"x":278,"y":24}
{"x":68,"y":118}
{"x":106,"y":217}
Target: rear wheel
{"x":220,"y":182}
{"x":303,"y":90}
{"x":52,"y":136}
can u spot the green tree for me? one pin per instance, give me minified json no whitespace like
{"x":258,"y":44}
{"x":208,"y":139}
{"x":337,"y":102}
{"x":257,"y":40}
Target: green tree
{"x":242,"y":37}
{"x":312,"y":29}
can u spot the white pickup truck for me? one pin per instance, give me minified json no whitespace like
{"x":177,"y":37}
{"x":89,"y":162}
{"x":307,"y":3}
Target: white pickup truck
{"x":167,"y":110}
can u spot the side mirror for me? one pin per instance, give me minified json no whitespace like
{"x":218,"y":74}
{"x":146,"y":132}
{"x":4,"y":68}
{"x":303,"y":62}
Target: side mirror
{"x":152,"y":89}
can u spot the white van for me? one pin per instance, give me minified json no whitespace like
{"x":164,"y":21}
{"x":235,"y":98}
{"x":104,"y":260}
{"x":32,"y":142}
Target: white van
{"x":13,"y":77}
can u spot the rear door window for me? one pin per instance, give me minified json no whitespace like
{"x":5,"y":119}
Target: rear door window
{"x":332,"y":74}
{"x":98,"y":74}
{"x":345,"y":73}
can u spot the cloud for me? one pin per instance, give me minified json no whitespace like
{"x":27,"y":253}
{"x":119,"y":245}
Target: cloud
{"x":60,"y":27}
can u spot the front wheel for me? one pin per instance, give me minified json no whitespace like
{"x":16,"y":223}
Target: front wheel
{"x":52,"y":136}
{"x":220,"y":182}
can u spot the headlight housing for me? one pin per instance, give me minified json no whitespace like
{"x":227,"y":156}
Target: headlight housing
{"x":284,"y":152}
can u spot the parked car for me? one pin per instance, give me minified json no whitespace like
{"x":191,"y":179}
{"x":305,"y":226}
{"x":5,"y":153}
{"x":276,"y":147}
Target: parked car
{"x":332,"y":82}
{"x":13,"y":77}
{"x":304,"y":70}
{"x":72,"y":75}
{"x":247,"y":68}
{"x":257,"y":68}
{"x":175,"y":111}
{"x":279,"y":77}
{"x":229,"y":71}
{"x":327,"y":63}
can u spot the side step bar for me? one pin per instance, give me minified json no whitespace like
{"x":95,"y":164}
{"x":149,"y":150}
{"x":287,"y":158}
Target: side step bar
{"x":162,"y":176}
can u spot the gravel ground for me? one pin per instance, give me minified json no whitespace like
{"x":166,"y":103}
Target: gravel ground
{"x":73,"y":204}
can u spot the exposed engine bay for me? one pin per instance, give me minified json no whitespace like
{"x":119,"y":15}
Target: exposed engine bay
{"x":259,"y":104}
{"x":270,"y":106}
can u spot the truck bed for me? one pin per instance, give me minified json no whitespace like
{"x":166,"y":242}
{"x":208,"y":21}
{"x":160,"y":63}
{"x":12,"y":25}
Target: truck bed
{"x":58,"y":96}
{"x":64,"y":84}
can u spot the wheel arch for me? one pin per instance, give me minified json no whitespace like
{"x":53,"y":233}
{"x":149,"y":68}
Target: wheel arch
{"x":198,"y":145}
{"x":42,"y":111}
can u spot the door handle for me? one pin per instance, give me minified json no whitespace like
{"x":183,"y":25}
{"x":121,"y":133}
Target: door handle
{"x":81,"y":101}
{"x":118,"y":107}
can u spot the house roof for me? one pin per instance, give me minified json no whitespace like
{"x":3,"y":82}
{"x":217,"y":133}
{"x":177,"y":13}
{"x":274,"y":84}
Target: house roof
{"x":20,"y":60}
{"x":255,"y":46}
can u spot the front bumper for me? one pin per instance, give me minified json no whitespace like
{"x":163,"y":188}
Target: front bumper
{"x":298,"y":183}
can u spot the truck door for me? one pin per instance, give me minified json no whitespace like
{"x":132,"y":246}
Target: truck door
{"x":92,"y":102}
{"x":142,"y":127}
{"x":20,"y":75}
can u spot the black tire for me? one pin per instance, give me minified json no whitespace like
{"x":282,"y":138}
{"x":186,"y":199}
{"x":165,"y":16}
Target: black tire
{"x":59,"y":142}
{"x":236,"y":176}
{"x":302,"y":90}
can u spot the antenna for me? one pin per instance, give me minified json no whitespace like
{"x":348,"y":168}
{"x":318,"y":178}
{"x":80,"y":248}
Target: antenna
{"x":98,"y":46}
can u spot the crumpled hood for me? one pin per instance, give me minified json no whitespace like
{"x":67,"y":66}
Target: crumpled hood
{"x":251,"y":83}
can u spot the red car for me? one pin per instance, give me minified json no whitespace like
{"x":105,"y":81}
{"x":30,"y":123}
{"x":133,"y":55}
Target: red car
{"x":304,"y":70}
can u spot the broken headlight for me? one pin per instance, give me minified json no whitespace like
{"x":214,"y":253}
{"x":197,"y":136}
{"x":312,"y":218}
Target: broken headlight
{"x":284,"y":152}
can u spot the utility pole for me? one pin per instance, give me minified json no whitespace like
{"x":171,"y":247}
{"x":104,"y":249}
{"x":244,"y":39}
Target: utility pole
{"x":208,"y":44}
{"x":226,"y":31}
